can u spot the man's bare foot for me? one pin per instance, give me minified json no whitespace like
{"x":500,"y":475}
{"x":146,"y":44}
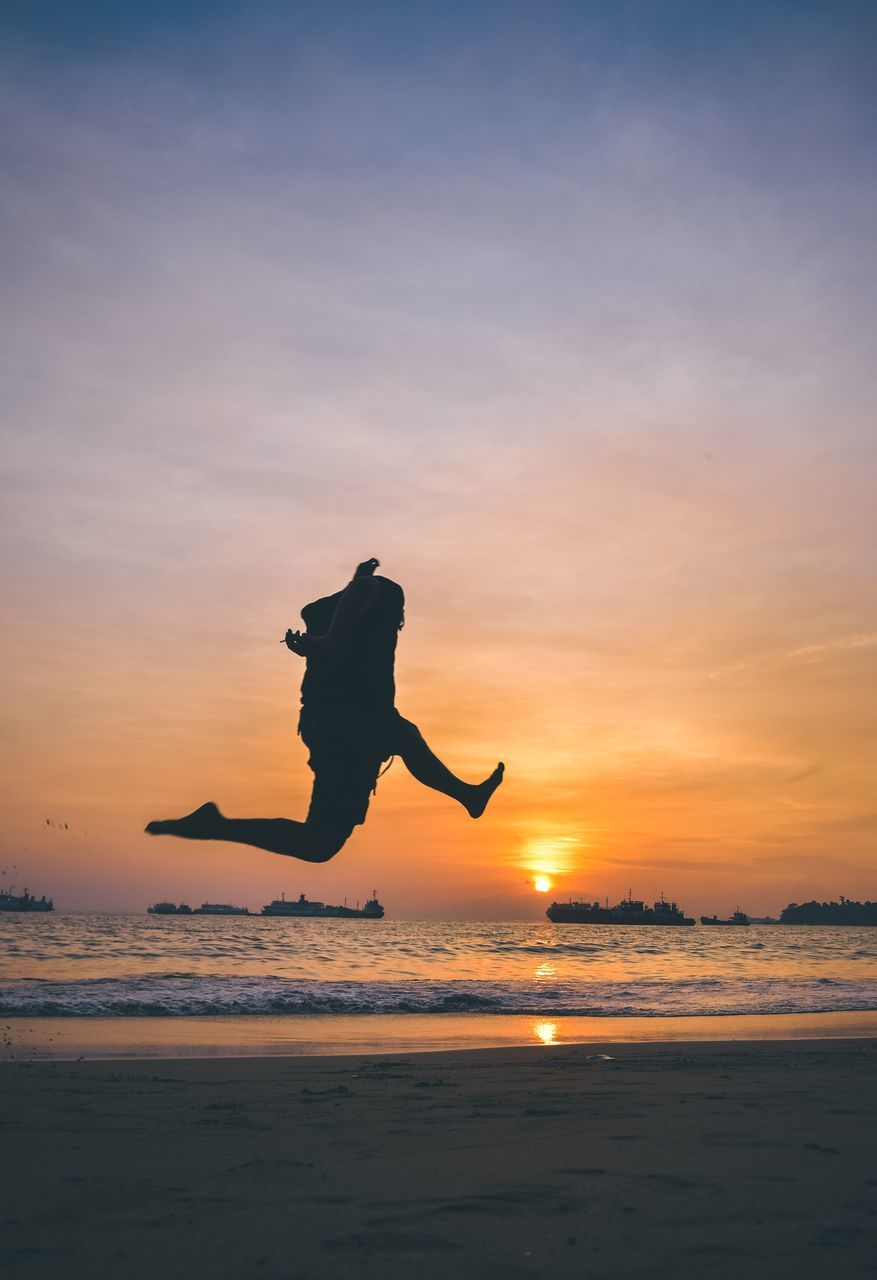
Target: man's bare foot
{"x":201,"y":824}
{"x":481,"y":794}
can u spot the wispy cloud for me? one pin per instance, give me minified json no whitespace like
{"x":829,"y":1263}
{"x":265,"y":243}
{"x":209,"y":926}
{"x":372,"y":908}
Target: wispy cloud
{"x":808,"y":653}
{"x":813,"y":652}
{"x":709,"y":866}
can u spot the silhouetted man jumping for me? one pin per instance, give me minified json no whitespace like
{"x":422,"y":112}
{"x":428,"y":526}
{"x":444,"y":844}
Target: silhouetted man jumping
{"x":350,"y":725}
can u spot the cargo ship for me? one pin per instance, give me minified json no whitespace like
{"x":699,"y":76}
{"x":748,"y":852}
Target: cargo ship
{"x":24,"y":902}
{"x":738,"y":918}
{"x":628,"y":911}
{"x":303,"y":909}
{"x":169,"y":909}
{"x":844,"y":912}
{"x":220,"y":909}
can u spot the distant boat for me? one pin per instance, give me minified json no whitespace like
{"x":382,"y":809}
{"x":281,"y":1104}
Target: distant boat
{"x":628,"y":911}
{"x":220,"y":909}
{"x":739,"y":917}
{"x":844,"y":912}
{"x":24,"y":902}
{"x":169,"y":909}
{"x":303,"y":909}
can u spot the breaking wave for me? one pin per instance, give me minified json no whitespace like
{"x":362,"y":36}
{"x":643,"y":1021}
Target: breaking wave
{"x":180,"y":995}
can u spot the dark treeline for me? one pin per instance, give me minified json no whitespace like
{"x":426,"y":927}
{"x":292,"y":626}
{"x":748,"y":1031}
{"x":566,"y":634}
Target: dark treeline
{"x":843,"y":912}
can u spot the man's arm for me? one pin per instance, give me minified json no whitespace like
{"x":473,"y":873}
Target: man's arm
{"x":356,"y":598}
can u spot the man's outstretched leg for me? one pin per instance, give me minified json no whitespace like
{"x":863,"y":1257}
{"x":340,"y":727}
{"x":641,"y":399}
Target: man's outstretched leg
{"x":312,"y":842}
{"x":425,"y":766}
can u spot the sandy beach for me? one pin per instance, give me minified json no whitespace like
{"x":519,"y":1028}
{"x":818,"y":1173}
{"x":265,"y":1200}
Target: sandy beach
{"x":625,"y":1160}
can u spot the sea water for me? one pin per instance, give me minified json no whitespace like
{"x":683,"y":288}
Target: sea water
{"x":118,"y":966}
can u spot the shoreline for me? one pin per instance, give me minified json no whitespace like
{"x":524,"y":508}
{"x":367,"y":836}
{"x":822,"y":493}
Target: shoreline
{"x":342,"y":1035}
{"x":743,"y":1158}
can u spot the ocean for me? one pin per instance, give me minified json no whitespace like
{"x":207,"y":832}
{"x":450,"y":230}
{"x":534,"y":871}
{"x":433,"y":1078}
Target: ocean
{"x":121,"y":966}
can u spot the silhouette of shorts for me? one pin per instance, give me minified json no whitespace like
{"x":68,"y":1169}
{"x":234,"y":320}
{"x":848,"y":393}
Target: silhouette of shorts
{"x":347,"y":749}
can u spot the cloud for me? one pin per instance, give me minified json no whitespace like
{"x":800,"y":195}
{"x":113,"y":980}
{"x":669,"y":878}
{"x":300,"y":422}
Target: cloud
{"x":677,"y":864}
{"x":812,"y":652}
{"x":808,"y":652}
{"x":808,"y":863}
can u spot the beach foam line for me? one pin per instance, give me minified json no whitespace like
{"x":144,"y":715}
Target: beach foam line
{"x":184,"y":995}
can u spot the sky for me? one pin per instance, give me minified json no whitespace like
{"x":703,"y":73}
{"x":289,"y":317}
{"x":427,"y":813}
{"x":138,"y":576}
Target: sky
{"x":564,"y":311}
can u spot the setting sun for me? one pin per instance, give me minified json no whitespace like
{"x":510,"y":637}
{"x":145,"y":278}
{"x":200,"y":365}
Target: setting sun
{"x":542,"y":884}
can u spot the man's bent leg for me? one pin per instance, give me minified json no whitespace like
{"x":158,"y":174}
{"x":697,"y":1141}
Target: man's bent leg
{"x":425,"y":766}
{"x":304,"y":840}
{"x":310,"y":841}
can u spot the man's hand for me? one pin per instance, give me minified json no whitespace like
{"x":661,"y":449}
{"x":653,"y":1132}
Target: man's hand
{"x":366,"y":569}
{"x":302,"y":644}
{"x":297,"y":642}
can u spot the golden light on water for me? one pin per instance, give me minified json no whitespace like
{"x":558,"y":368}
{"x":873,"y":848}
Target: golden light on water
{"x":541,"y":884}
{"x":545,"y":1032}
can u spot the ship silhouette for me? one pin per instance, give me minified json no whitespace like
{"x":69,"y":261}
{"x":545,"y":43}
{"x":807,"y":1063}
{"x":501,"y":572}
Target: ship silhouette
{"x":738,"y":918}
{"x":24,"y":902}
{"x":220,"y":909}
{"x":843,"y":912}
{"x":628,"y":911}
{"x":301,"y":908}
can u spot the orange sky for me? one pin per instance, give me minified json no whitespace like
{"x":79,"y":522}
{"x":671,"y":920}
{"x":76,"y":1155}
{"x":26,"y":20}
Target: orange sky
{"x":668,"y":721}
{"x":579,"y":346}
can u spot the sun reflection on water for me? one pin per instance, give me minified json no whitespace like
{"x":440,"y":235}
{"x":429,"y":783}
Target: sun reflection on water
{"x":545,"y":1032}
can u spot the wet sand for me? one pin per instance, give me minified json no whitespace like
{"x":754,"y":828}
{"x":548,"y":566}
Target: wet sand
{"x":348,"y":1034}
{"x":629,"y":1160}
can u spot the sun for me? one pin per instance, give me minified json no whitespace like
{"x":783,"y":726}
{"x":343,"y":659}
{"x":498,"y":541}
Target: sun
{"x":541,"y":884}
